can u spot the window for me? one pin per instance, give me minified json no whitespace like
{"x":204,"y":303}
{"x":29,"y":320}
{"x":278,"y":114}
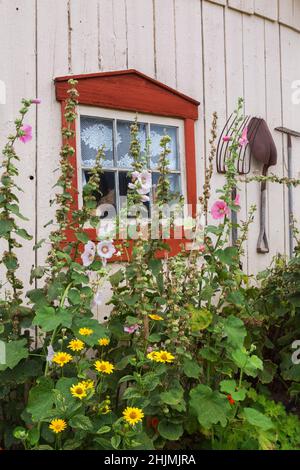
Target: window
{"x":108,"y":102}
{"x":111,"y":128}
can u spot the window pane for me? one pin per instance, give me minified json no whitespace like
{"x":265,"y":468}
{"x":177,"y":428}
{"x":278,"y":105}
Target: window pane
{"x":123,"y":142}
{"x":107,"y":189}
{"x":94,"y":133}
{"x":124,"y":179}
{"x":175,"y":183}
{"x":156,"y":133}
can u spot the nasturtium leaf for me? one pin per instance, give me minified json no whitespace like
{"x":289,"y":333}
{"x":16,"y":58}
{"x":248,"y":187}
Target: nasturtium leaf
{"x":172,"y":396}
{"x":170,"y":431}
{"x":258,"y":419}
{"x":13,"y":353}
{"x":235,"y":331}
{"x":210,"y":407}
{"x":230,"y":387}
{"x":41,"y":399}
{"x":200,"y":318}
{"x":191,"y":368}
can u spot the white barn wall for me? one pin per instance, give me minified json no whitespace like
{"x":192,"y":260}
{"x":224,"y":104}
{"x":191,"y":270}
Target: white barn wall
{"x":214,"y":51}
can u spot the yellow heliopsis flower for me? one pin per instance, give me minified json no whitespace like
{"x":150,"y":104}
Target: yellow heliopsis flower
{"x":152,"y":355}
{"x":133,"y":415}
{"x":88,"y":384}
{"x":57,"y":425}
{"x":62,"y":358}
{"x":164,"y":356}
{"x":155,"y":317}
{"x":76,"y":345}
{"x":104,"y":367}
{"x":78,"y":391}
{"x":103,"y":341}
{"x":86,"y":331}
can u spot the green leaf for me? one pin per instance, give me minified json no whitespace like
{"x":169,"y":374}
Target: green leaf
{"x":116,"y":278}
{"x":200,"y":318}
{"x":81,"y":422}
{"x":250,"y":364}
{"x":228,"y":256}
{"x":74,"y":296}
{"x":191,"y":368}
{"x":236,"y":298}
{"x":82,"y":237}
{"x":41,"y":399}
{"x":48,"y":318}
{"x":170,"y":431}
{"x":6,"y":226}
{"x":98,"y":330}
{"x":172,"y":397}
{"x":210,"y":407}
{"x":103,"y":430}
{"x":235,"y":331}
{"x":257,"y":419}
{"x":230,"y":387}
{"x":115,"y":441}
{"x":14,"y":208}
{"x":14,"y":352}
{"x":39,"y":244}
{"x":23,"y":234}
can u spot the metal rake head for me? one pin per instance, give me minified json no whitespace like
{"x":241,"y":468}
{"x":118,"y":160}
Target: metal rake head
{"x":243,"y":162}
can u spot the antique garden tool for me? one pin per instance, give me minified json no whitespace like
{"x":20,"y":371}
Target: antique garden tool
{"x":264,"y":150}
{"x":243,"y":161}
{"x":290,"y":133}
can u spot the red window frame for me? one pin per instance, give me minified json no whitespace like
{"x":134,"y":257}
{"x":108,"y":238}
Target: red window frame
{"x":130,"y":90}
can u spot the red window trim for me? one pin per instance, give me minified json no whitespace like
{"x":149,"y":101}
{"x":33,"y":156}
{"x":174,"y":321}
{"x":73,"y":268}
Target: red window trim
{"x":131,"y":90}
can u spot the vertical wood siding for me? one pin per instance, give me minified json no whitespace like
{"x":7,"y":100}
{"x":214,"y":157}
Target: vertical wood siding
{"x":212,"y":52}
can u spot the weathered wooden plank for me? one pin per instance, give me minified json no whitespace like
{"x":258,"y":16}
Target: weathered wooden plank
{"x":235,"y":86}
{"x":276,"y":194}
{"x":219,"y":2}
{"x":266,"y":8}
{"x":85,"y":49}
{"x":214,"y":78}
{"x":112,"y":35}
{"x":165,"y":42}
{"x":255,"y":105}
{"x":286,"y":12}
{"x":246,"y":6}
{"x":296,"y":22}
{"x":140,"y":35}
{"x":52,"y":35}
{"x":17,"y":70}
{"x":291,"y":112}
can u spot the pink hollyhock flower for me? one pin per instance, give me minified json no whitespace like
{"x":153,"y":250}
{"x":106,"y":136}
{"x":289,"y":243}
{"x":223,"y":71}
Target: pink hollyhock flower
{"x":226,"y":138}
{"x":202,"y":248}
{"x":89,"y":253}
{"x":131,"y":329}
{"x":219,"y":209}
{"x":36,"y":101}
{"x":236,"y":201}
{"x":243,"y":141}
{"x":150,"y":349}
{"x":106,"y":249}
{"x":26,"y":133}
{"x":134,"y":175}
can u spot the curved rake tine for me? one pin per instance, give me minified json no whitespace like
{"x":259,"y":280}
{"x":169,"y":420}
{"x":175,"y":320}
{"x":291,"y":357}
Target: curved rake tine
{"x":252,"y":135}
{"x":220,"y":167}
{"x":241,"y":128}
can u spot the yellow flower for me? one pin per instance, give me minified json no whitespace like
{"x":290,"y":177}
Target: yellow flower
{"x":76,"y":345}
{"x":152,"y":355}
{"x":103,"y":341}
{"x":155,"y":317}
{"x":57,"y":425}
{"x":78,"y":391}
{"x":164,"y":356}
{"x":88,"y":384}
{"x":86,"y":331}
{"x":133,"y":415}
{"x":62,"y":358}
{"x":104,"y":367}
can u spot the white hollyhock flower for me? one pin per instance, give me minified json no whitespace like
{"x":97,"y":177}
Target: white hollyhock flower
{"x":144,"y":179}
{"x":106,"y":249}
{"x":50,"y":354}
{"x":89,"y":253}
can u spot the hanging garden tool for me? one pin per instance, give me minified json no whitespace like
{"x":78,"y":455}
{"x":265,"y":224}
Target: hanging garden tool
{"x":290,"y":133}
{"x":243,"y":162}
{"x":264,"y":150}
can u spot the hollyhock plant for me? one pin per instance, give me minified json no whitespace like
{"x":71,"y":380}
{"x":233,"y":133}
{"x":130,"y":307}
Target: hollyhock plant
{"x":36,"y":101}
{"x":97,"y":300}
{"x":106,"y":249}
{"x":89,"y":253}
{"x":25,"y":133}
{"x":227,"y":138}
{"x":237,"y":200}
{"x":243,"y":141}
{"x":219,"y":210}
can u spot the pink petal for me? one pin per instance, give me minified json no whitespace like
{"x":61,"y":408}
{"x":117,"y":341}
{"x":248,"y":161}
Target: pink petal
{"x":36,"y":101}
{"x":226,"y":138}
